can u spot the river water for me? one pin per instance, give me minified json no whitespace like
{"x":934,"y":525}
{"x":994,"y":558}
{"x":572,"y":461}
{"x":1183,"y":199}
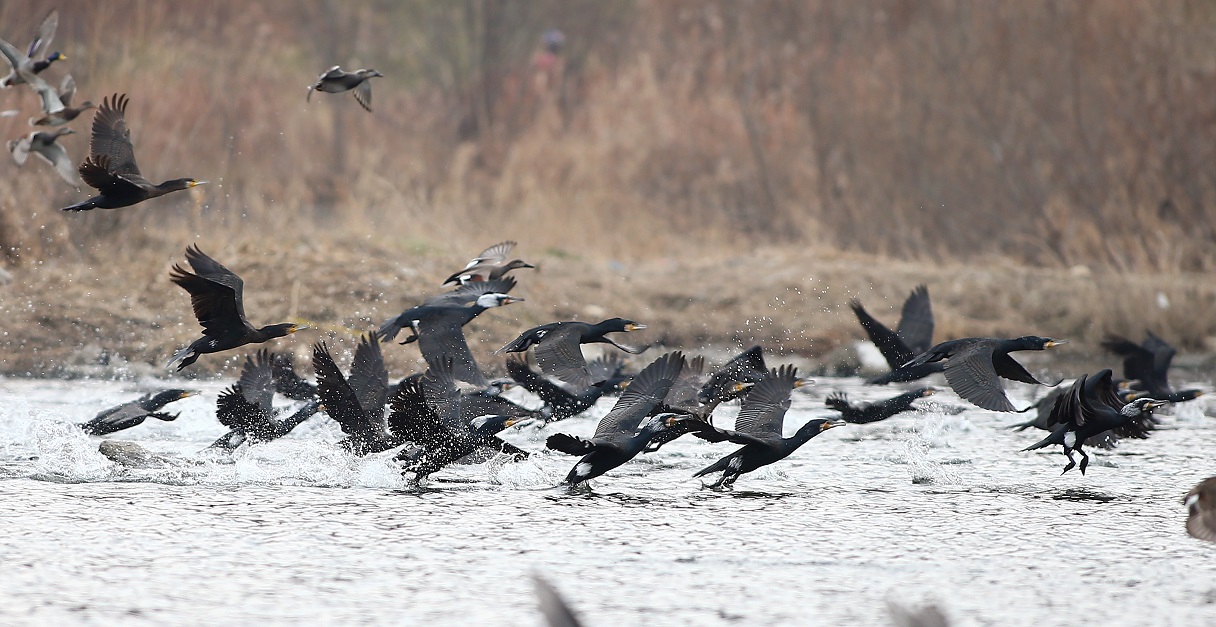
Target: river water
{"x":928,"y":507}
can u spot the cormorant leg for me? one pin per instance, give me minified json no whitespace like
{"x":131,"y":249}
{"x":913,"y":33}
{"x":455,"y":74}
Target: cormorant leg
{"x":1084,"y":458}
{"x":1071,"y":462}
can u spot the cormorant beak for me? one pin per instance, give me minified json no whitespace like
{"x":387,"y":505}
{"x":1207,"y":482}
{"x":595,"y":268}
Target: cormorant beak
{"x":678,"y":418}
{"x":633,"y":326}
{"x":196,"y":183}
{"x":510,"y":423}
{"x":928,"y":392}
{"x":1154,"y":404}
{"x":1051,"y":343}
{"x":298,"y":327}
{"x":623,"y":384}
{"x":188,"y":393}
{"x":512,"y":299}
{"x":739,"y":386}
{"x":802,"y":382}
{"x":831,"y":425}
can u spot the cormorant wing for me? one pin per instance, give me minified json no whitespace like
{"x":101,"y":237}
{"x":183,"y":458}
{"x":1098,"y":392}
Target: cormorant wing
{"x":763,"y":411}
{"x":531,"y":337}
{"x":235,"y":411}
{"x":607,"y":367}
{"x":1138,"y":362}
{"x":569,"y":444}
{"x":916,"y":322}
{"x":441,"y":336}
{"x":972,"y":375}
{"x":746,"y":367}
{"x":411,"y":419}
{"x":441,"y":394}
{"x":559,"y":354}
{"x":1163,"y":355}
{"x":646,"y":391}
{"x":469,"y":293}
{"x":369,"y":379}
{"x":111,"y":137}
{"x":1008,"y":367}
{"x":45,"y":35}
{"x":288,"y":383}
{"x":335,"y":393}
{"x":682,"y":397}
{"x":114,"y":418}
{"x":549,"y":392}
{"x":892,"y":347}
{"x":257,"y":381}
{"x":215,"y":293}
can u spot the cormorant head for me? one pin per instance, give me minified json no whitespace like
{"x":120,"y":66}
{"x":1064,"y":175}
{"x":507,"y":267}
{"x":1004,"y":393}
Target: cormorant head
{"x":1141,"y":405}
{"x":620,"y":324}
{"x":1034,"y":342}
{"x":164,"y":397}
{"x":492,"y":423}
{"x":817,"y":426}
{"x":1188,"y":395}
{"x":926,"y":392}
{"x":180,"y":184}
{"x":284,"y":329}
{"x":497,"y":300}
{"x":659,"y":422}
{"x":802,"y":382}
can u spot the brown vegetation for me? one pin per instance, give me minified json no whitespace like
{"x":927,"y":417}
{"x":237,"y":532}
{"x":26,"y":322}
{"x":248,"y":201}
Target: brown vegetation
{"x":939,"y":141}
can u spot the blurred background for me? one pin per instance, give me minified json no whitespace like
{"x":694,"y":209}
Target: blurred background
{"x":1046,"y":132}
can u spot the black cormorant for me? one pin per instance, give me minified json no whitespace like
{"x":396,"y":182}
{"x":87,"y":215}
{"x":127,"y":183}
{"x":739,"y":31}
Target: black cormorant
{"x":973,"y":365}
{"x":621,"y":434}
{"x":134,"y":412}
{"x":735,"y":377}
{"x":335,"y":81}
{"x":44,"y":144}
{"x":247,"y":410}
{"x":357,"y":403}
{"x":1149,"y":363}
{"x":558,"y":346}
{"x":1107,"y":439}
{"x":490,"y":265}
{"x":216,"y":295}
{"x":913,"y":336}
{"x":762,"y":418}
{"x":1088,"y":408}
{"x":1200,"y":505}
{"x":873,"y":412}
{"x":110,"y":167}
{"x":562,"y":403}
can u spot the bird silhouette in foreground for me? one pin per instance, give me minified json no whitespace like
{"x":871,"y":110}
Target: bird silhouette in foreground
{"x":438,"y":324}
{"x":44,"y":144}
{"x":247,"y":408}
{"x":110,"y":167}
{"x":448,"y":431}
{"x":973,"y":365}
{"x":491,"y":264}
{"x":28,"y":63}
{"x":357,"y":403}
{"x":558,"y":346}
{"x":216,"y":295}
{"x":561,"y":402}
{"x":555,"y":610}
{"x":913,"y":336}
{"x":761,"y":419}
{"x":621,"y":434}
{"x":1149,"y":363}
{"x":1090,"y":407}
{"x":1107,"y":439}
{"x":335,"y":81}
{"x":1200,"y":505}
{"x":864,"y":413}
{"x":67,"y":90}
{"x":135,"y":412}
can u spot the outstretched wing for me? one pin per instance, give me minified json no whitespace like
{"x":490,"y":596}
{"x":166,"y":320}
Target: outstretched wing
{"x":44,"y":36}
{"x":369,"y":379}
{"x":441,"y":337}
{"x":646,"y":391}
{"x":971,"y":374}
{"x":335,"y":393}
{"x":494,"y":254}
{"x":763,"y":411}
{"x":363,"y":95}
{"x":892,"y":347}
{"x":215,"y":293}
{"x":916,"y":322}
{"x":559,"y":354}
{"x":257,"y":381}
{"x":111,"y":137}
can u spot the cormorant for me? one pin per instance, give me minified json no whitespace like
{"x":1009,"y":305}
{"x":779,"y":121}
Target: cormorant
{"x":246,"y":408}
{"x":1105,"y":440}
{"x":913,"y":336}
{"x":621,"y":433}
{"x":561,"y":403}
{"x":216,"y":295}
{"x":1200,"y":505}
{"x":67,"y":90}
{"x":489,"y":265}
{"x":438,"y":324}
{"x":558,"y":346}
{"x":357,"y":403}
{"x":1149,"y":363}
{"x":761,"y":418}
{"x":1090,"y":407}
{"x":288,"y":383}
{"x":110,"y":167}
{"x":134,"y":413}
{"x":873,"y":412}
{"x":973,"y":365}
{"x":334,"y":81}
{"x":447,"y":432}
{"x":735,"y":377}
{"x":43,"y":144}
{"x":28,"y":63}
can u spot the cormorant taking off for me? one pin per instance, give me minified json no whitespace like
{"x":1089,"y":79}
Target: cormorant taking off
{"x":873,"y":412}
{"x":438,"y":323}
{"x":110,"y":167}
{"x":561,"y":403}
{"x":973,"y":365}
{"x":216,"y":295}
{"x":135,"y":412}
{"x":357,"y":403}
{"x":913,"y":336}
{"x":1149,"y":363}
{"x":246,"y":408}
{"x":762,"y":418}
{"x":1200,"y":505}
{"x":1090,"y":407}
{"x":558,"y":346}
{"x":490,"y":265}
{"x":1105,"y":440}
{"x":734,"y":378}
{"x":334,"y":81}
{"x":621,"y":434}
